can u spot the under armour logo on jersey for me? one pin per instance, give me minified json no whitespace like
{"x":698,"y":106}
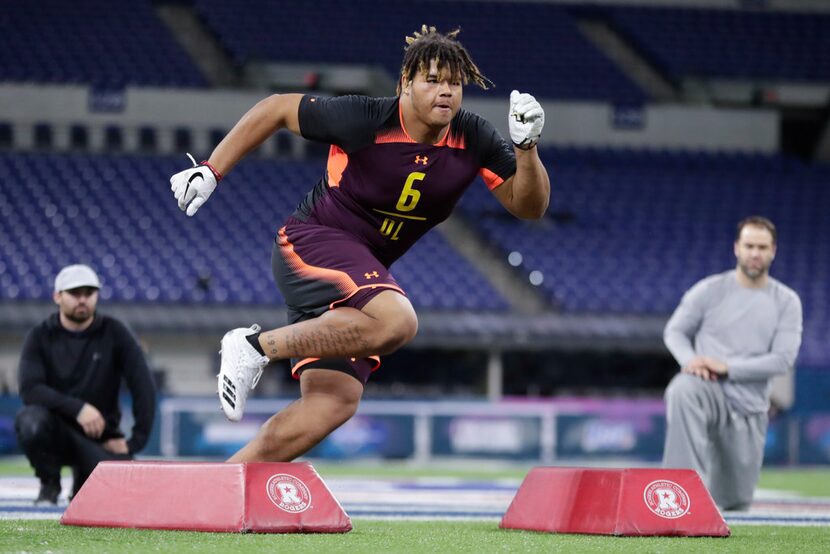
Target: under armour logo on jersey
{"x":421,"y":160}
{"x":370,"y":275}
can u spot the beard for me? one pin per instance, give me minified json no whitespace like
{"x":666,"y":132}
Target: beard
{"x":752,"y":272}
{"x":80,"y":316}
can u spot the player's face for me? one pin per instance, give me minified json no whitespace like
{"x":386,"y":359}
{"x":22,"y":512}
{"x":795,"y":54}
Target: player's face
{"x":435,"y":96}
{"x":755,"y":251}
{"x":78,"y":304}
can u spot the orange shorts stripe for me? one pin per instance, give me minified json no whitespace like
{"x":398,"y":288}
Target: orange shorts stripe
{"x":305,"y":361}
{"x":340,"y":279}
{"x":300,"y":364}
{"x":360,"y":288}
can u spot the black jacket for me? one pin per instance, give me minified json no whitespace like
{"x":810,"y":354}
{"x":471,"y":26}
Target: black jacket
{"x":61,"y":370}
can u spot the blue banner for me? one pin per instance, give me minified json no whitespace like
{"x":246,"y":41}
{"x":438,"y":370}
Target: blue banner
{"x":814,"y":441}
{"x":776,"y":449}
{"x":479,"y":436}
{"x":370,"y":436}
{"x":638,"y":436}
{"x":364,"y":436}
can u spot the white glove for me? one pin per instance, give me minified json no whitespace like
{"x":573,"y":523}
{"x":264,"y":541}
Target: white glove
{"x":192,"y":187}
{"x":525,"y":120}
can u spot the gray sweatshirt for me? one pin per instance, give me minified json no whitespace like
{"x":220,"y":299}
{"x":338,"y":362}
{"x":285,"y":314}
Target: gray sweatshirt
{"x":757,"y":332}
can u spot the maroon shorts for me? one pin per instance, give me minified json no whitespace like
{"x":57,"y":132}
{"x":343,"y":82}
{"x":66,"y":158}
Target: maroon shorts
{"x":319,"y":268}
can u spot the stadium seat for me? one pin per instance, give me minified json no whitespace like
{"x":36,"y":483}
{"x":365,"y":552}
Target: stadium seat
{"x":105,"y":210}
{"x":553,"y":59}
{"x":105,"y":44}
{"x":629,"y":232}
{"x":732,"y":44}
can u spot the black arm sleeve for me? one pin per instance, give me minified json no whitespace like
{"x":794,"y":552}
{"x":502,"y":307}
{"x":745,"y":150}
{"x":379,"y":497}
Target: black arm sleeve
{"x":346,"y":121}
{"x":142,"y":389}
{"x":34,"y":387}
{"x":497,"y":157}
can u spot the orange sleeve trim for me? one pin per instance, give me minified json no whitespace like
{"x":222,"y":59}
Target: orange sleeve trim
{"x":490,"y":179}
{"x":355,"y":291}
{"x":337,"y":162}
{"x":340,"y":279}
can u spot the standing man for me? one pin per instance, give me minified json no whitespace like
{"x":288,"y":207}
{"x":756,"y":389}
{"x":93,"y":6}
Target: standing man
{"x":396,"y":168}
{"x":70,"y":375}
{"x":731,"y":334}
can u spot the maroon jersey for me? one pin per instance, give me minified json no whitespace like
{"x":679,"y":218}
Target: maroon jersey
{"x":383,"y":187}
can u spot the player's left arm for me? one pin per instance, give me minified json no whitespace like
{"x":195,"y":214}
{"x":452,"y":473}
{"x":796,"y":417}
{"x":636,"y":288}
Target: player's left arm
{"x":527,"y":193}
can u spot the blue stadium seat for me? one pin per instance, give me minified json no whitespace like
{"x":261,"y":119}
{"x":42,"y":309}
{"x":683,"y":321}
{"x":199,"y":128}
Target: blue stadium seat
{"x":629,"y":232}
{"x":729,"y":43}
{"x":117,"y":213}
{"x":551,"y":59}
{"x":106,"y":44}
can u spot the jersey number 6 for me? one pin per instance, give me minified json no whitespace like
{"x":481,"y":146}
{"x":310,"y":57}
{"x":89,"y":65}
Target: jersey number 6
{"x":410,"y":196}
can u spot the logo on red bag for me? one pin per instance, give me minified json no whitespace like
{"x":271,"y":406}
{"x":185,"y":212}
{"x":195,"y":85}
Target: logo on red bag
{"x":288,"y":493}
{"x":667,"y":499}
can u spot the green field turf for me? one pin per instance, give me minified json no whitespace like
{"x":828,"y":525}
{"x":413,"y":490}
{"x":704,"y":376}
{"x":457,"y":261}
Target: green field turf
{"x":401,"y":536}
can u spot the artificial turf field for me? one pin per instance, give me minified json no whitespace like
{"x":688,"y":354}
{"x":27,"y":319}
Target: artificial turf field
{"x":398,"y":536}
{"x":438,"y":535}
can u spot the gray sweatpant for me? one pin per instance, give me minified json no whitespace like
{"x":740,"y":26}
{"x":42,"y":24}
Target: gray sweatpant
{"x":724,"y":447}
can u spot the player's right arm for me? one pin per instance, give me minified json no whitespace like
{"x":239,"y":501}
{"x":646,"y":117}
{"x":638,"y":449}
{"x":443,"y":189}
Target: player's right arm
{"x":279,"y":111}
{"x":684,"y":324}
{"x":34,"y":384}
{"x":192,"y":187}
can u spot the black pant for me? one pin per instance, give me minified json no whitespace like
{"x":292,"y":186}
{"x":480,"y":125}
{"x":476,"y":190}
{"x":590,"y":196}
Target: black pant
{"x":51,"y":443}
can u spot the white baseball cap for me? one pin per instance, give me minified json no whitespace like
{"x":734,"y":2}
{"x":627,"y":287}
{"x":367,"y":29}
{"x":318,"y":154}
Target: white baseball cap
{"x":74,"y":276}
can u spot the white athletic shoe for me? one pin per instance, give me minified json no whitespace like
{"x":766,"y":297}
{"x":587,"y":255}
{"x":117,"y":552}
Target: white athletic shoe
{"x":239,"y":371}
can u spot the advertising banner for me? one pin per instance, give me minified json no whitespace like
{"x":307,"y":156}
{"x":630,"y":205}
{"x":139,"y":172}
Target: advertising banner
{"x":597,"y":436}
{"x":487,"y":436}
{"x":379,"y":436}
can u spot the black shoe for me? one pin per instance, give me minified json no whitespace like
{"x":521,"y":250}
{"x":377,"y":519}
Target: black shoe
{"x":49,"y":492}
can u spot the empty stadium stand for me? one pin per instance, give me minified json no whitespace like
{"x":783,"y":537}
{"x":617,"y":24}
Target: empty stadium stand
{"x":731,"y":44}
{"x":104,"y":44}
{"x":118,"y":214}
{"x":552,"y":59}
{"x":628,"y":232}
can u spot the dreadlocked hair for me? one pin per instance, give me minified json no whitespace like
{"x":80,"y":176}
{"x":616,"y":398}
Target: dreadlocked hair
{"x":427,"y":45}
